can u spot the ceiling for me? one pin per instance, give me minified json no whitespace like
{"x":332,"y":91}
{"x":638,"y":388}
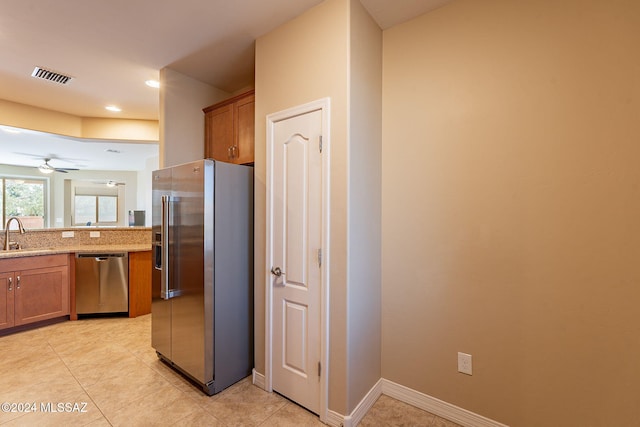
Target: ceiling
{"x":111,"y":48}
{"x":23,"y":147}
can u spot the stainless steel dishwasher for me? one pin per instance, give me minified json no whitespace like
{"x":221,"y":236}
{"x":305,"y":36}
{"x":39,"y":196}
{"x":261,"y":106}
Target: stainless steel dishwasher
{"x":102,"y":283}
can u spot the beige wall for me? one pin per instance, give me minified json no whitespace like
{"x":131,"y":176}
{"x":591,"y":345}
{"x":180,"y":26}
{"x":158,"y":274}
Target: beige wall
{"x":511,"y":207}
{"x":333,"y":50}
{"x":40,"y":119}
{"x":301,"y":61}
{"x":144,"y":200}
{"x":364,"y":209}
{"x":136,"y":130}
{"x":182,"y":99}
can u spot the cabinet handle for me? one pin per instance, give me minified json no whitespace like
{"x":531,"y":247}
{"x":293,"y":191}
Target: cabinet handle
{"x":229,"y":152}
{"x":18,"y":282}
{"x":10,"y":283}
{"x":234,"y":149}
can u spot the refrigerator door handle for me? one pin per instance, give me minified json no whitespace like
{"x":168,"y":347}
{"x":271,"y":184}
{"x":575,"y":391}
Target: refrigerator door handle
{"x":100,"y":281}
{"x":164,"y":245}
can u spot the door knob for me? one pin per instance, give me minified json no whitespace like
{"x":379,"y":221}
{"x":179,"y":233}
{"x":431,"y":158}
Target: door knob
{"x":276,"y":271}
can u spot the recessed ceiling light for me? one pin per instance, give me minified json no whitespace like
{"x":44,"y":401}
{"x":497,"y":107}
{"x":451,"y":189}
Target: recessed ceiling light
{"x":113,"y":108}
{"x":153,"y":83}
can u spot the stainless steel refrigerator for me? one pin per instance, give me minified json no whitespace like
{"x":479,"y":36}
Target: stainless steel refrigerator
{"x":202,"y":306}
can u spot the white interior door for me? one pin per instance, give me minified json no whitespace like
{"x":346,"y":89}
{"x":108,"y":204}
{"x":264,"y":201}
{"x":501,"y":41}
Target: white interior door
{"x":295,"y":252}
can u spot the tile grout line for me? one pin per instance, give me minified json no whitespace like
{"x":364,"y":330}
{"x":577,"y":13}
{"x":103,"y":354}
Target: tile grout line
{"x":185,"y":395}
{"x":105,"y":341}
{"x":272,"y":415}
{"x":78,"y":381}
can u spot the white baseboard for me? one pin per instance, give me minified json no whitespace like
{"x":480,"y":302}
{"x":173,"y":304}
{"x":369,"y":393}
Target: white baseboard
{"x":436,"y":406}
{"x":363,"y":407}
{"x":334,"y":419}
{"x":258,"y":379}
{"x":404,"y":394}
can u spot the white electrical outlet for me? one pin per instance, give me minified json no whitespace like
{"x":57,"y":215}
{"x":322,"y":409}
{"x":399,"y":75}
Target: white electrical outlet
{"x":67,"y":234}
{"x":464,"y":363}
{"x":94,"y":234}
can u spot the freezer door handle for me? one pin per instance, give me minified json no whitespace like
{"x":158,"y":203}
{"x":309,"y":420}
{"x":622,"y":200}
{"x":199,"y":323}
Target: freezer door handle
{"x":164,"y":247}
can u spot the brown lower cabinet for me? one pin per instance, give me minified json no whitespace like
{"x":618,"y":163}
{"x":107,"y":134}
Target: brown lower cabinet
{"x":33,"y":289}
{"x":139,"y":283}
{"x":40,"y":288}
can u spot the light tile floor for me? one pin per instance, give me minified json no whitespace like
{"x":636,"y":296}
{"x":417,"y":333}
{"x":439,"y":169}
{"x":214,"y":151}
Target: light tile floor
{"x":107,"y":367}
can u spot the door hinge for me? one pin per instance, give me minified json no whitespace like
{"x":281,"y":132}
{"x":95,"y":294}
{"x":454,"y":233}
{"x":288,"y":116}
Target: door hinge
{"x":319,"y":368}
{"x":320,"y":143}
{"x":319,"y":257}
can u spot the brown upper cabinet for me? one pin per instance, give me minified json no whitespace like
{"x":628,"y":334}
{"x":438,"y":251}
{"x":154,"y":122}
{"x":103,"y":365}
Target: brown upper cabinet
{"x":229,"y":129}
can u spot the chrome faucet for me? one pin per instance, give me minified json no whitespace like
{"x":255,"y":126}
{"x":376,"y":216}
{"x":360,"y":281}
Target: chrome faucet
{"x":7,"y":243}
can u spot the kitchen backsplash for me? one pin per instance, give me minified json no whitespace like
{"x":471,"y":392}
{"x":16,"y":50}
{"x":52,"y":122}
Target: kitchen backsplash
{"x":53,"y":238}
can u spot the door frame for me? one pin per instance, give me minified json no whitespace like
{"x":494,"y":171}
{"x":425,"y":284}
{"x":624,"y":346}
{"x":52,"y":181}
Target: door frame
{"x":323,"y":105}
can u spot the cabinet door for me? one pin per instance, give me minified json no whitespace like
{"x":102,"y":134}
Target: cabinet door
{"x":41,"y":294}
{"x":7,"y":290}
{"x":219,"y":133}
{"x":140,"y":268}
{"x":244,"y":138}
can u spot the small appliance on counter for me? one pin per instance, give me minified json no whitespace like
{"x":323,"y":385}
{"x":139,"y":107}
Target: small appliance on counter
{"x":136,"y":218}
{"x":202,"y":277}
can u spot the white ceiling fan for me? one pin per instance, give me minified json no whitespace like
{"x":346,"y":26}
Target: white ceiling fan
{"x":47,"y":168}
{"x":108,"y":183}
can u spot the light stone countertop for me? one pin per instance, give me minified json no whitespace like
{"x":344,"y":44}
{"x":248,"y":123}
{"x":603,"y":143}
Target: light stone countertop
{"x":94,"y":249}
{"x":87,"y":240}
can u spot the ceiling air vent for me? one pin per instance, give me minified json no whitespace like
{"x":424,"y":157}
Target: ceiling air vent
{"x":41,"y":73}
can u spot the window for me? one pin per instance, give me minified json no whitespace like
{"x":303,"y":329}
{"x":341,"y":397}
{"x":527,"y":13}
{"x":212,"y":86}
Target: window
{"x":95,"y":209}
{"x":96,"y":204}
{"x":25,"y":199}
{"x":107,"y":209}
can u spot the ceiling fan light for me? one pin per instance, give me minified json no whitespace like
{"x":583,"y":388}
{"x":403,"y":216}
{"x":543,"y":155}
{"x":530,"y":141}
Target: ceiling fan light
{"x":45,"y":168}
